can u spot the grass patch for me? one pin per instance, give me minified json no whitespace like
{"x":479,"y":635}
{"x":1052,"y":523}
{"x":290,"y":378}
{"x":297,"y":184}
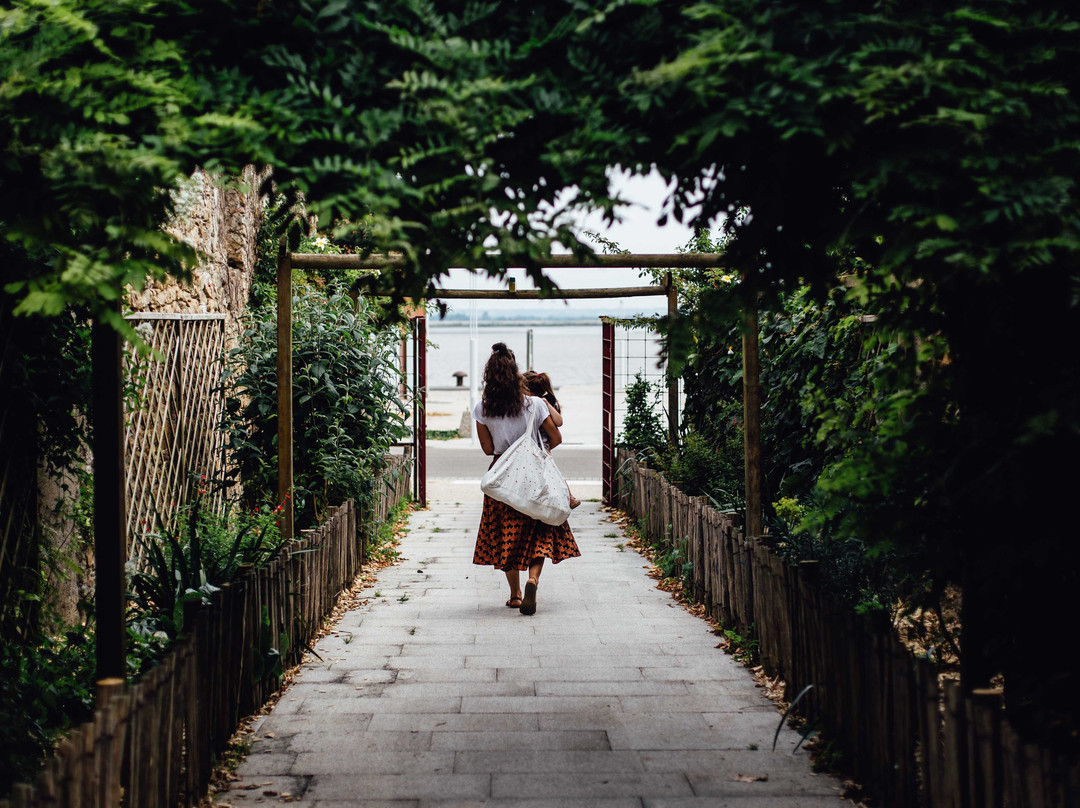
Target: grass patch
{"x":442,"y":434}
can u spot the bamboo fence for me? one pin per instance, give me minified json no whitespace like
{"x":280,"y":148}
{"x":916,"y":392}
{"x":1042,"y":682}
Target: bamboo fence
{"x":910,"y":737}
{"x":153,"y":744}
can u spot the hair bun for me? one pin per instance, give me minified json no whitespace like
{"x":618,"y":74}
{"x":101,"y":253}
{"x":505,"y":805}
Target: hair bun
{"x":500,"y":348}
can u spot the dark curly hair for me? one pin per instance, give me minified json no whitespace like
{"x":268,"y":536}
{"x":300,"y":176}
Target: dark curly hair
{"x":504,"y":389}
{"x":539,"y":385}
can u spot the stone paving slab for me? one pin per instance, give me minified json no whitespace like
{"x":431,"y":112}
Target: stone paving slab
{"x":436,"y":694}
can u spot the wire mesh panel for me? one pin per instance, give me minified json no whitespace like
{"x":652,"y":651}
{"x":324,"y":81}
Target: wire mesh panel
{"x":411,"y":396}
{"x":632,"y":349}
{"x":173,"y":407}
{"x":638,"y":351}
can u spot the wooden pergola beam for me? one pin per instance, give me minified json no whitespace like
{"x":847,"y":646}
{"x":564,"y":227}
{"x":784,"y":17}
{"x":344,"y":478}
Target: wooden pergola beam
{"x":434,"y":293}
{"x":285,"y":389}
{"x":751,"y":395}
{"x":625,"y":260}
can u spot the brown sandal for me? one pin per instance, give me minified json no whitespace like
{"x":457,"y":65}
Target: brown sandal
{"x":514,"y":603}
{"x":528,"y":603}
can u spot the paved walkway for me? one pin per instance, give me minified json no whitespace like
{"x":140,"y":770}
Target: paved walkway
{"x":436,"y":694}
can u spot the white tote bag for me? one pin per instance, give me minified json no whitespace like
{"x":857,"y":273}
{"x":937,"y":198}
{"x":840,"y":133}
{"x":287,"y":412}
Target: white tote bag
{"x":526,"y":478}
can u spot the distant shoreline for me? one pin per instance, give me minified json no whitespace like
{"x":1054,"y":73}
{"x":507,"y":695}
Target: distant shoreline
{"x":436,"y":323}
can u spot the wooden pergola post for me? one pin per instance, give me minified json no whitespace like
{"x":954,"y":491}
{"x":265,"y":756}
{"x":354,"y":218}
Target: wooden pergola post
{"x":110,"y":533}
{"x":672,"y":379}
{"x":751,"y":423}
{"x":420,"y":417}
{"x":284,"y":388}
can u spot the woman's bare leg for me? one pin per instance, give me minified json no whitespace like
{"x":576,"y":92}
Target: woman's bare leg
{"x":513,"y":578}
{"x":535,"y":568}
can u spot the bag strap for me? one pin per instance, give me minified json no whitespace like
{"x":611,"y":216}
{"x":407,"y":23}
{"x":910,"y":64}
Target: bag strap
{"x":532,"y":419}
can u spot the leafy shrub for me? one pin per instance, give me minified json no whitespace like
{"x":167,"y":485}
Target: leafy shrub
{"x":673,"y":563}
{"x":643,"y":430}
{"x":46,"y":688}
{"x":346,"y":410}
{"x":277,"y":218}
{"x":205,"y":551}
{"x":851,"y":571}
{"x":712,"y":465}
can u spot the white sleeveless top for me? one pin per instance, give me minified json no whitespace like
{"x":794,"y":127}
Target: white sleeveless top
{"x":506,"y":430}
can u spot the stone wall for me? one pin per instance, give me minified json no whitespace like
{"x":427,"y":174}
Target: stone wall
{"x":221,"y":221}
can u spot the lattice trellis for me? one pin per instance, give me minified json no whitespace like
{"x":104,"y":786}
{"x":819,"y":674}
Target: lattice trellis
{"x":171,"y":419}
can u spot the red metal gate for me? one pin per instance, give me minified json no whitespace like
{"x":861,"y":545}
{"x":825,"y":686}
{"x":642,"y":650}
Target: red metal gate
{"x":608,"y":409}
{"x":419,"y":408}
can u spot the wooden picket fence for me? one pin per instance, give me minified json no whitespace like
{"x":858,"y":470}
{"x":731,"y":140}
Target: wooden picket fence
{"x":153,"y":744}
{"x":911,"y":737}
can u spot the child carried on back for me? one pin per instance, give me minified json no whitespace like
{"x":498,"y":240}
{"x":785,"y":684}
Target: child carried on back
{"x":539,"y":385}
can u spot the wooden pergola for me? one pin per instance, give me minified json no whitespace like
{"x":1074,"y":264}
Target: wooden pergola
{"x":108,"y":448}
{"x":288,"y":261}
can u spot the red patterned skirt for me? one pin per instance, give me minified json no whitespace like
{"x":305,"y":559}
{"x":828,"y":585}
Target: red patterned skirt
{"x":509,"y":539}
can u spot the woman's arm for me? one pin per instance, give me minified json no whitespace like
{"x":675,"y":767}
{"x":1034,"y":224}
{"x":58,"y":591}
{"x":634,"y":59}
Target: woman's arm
{"x":486,"y":443}
{"x":556,"y":416}
{"x":552,"y":432}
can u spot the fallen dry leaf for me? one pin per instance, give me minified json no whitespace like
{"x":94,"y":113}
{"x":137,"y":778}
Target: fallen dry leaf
{"x":252,"y":786}
{"x":751,"y":778}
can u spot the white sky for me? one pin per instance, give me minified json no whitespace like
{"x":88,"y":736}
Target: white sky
{"x":636,"y":232}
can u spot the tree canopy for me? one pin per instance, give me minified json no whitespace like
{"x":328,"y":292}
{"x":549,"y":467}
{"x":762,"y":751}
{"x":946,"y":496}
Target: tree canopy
{"x":929,"y":150}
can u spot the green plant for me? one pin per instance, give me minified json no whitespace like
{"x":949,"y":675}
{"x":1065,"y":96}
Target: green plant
{"x":277,"y":219}
{"x":643,"y":430}
{"x":234,"y":537}
{"x":170,"y":575}
{"x":744,"y":649}
{"x":346,"y":412}
{"x":46,"y":687}
{"x":828,"y":757}
{"x":267,"y":657}
{"x":710,"y":463}
{"x":382,"y":541}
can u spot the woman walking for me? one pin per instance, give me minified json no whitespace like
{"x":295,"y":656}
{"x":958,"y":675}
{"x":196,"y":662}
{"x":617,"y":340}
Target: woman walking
{"x":508,"y":539}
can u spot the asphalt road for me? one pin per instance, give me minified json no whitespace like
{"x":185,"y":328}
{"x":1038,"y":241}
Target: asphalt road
{"x":465,"y":462}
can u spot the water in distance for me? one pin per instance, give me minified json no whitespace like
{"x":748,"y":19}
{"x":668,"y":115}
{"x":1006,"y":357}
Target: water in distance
{"x":569,"y":354}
